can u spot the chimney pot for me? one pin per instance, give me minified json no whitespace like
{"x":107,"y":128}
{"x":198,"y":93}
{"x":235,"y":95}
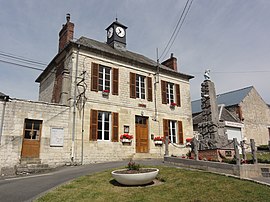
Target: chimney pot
{"x":66,"y":33}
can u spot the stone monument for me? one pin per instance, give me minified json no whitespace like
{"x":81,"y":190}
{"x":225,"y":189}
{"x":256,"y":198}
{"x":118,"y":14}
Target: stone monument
{"x":212,"y":131}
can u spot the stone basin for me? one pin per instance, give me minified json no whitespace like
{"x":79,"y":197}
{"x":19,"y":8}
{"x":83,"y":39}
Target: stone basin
{"x":135,"y":178}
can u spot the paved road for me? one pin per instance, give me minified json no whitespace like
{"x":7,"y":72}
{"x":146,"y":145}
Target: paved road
{"x":29,"y":187}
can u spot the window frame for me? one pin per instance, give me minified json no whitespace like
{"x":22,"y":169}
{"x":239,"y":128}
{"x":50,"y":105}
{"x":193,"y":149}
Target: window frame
{"x":140,"y":86}
{"x":103,"y":72}
{"x":170,"y":94}
{"x":173,"y":137}
{"x":32,"y":130}
{"x":102,"y":129}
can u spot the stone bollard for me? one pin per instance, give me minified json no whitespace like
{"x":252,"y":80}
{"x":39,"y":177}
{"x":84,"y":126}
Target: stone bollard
{"x":253,"y":151}
{"x":196,"y":153}
{"x":243,"y":149}
{"x":167,"y":145}
{"x":237,"y":156}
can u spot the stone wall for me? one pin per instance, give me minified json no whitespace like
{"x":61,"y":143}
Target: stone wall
{"x":256,"y":116}
{"x":128,"y":108}
{"x":51,"y":115}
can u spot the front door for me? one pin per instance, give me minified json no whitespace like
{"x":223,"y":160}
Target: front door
{"x":31,"y":138}
{"x":141,"y":134}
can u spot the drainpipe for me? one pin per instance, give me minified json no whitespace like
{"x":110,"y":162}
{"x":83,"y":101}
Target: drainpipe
{"x":74,"y":107}
{"x":6,"y":98}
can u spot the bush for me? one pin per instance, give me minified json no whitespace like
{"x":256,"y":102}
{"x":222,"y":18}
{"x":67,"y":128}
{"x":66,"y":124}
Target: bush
{"x":263,"y":148}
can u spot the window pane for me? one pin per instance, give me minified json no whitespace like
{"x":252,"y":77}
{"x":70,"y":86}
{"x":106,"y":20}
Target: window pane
{"x":106,"y":126}
{"x":99,"y":135}
{"x":28,"y":125}
{"x":27,"y":134}
{"x":36,"y":126}
{"x":106,"y":135}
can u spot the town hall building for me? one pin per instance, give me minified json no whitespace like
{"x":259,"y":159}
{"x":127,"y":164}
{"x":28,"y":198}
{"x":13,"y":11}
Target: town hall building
{"x":99,"y":102}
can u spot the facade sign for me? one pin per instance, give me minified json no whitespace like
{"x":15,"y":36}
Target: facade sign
{"x":57,"y":137}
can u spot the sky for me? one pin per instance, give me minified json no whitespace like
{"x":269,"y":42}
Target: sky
{"x":231,"y":38}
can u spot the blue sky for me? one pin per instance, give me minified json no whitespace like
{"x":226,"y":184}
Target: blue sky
{"x":229,"y":37}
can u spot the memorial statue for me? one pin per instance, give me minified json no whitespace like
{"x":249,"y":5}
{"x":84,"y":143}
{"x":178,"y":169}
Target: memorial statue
{"x":207,"y":74}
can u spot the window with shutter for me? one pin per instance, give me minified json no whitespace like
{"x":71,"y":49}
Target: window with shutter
{"x":94,"y":77}
{"x":149,"y":89}
{"x":180,"y":132}
{"x":115,"y":81}
{"x":178,"y":98}
{"x":93,"y":125}
{"x":132,"y":83}
{"x":164,"y":92}
{"x":115,"y":130}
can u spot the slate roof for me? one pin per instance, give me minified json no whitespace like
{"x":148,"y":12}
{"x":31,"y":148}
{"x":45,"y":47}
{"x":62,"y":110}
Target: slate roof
{"x":225,"y":116}
{"x":106,"y":50}
{"x":128,"y":55}
{"x":228,"y":99}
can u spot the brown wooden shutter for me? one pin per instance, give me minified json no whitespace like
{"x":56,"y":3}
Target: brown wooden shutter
{"x":178,"y":98}
{"x":132,"y":82}
{"x":93,"y":125}
{"x":180,"y":132}
{"x":164,"y":92}
{"x":94,"y":77}
{"x":165,"y":127}
{"x":149,"y":89}
{"x":115,"y":81}
{"x":115,"y":123}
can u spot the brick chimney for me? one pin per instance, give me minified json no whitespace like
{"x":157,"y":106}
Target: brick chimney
{"x":171,"y":63}
{"x":66,"y":33}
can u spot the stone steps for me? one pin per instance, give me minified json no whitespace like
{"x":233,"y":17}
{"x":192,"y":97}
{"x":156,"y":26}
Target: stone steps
{"x":141,"y":156}
{"x":31,"y":165}
{"x":265,"y":172}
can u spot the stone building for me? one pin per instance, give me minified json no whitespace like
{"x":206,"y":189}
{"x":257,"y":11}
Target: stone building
{"x":246,"y":115}
{"x":92,"y":93}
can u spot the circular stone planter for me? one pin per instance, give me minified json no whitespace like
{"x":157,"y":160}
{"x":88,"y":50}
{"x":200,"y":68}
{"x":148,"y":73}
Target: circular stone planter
{"x":145,"y":177}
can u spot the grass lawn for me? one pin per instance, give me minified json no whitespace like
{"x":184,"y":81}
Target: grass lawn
{"x":178,"y":185}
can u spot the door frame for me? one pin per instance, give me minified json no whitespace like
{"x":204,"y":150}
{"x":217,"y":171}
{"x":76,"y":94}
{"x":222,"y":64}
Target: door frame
{"x":31,"y":147}
{"x":138,"y":143}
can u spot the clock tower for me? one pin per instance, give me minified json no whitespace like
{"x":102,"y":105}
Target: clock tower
{"x":116,"y":35}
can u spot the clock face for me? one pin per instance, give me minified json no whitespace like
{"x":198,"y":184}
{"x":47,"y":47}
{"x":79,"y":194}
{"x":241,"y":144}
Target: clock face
{"x":110,"y":32}
{"x":120,"y":31}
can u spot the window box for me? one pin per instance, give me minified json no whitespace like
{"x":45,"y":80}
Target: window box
{"x":126,"y":138}
{"x":105,"y":93}
{"x":158,"y":140}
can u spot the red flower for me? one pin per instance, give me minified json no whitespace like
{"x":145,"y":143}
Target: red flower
{"x":158,"y":138}
{"x":189,"y":139}
{"x":126,"y":136}
{"x":173,"y":104}
{"x":106,"y":91}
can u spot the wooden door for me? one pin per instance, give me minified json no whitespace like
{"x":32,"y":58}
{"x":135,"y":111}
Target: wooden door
{"x":141,"y":134}
{"x":31,"y":138}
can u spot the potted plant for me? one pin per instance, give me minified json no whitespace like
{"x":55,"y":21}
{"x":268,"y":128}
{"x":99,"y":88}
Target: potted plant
{"x":158,"y":140}
{"x":105,"y":92}
{"x":173,"y":104}
{"x":133,"y":174}
{"x":126,"y":138}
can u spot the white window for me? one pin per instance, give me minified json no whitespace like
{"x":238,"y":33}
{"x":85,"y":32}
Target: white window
{"x":170,"y":95}
{"x":140,"y":86}
{"x":104,"y":78}
{"x":172,"y":131}
{"x":104,"y":122}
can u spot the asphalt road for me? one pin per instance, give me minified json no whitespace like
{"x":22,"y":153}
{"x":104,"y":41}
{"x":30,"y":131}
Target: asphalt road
{"x":27,"y":188}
